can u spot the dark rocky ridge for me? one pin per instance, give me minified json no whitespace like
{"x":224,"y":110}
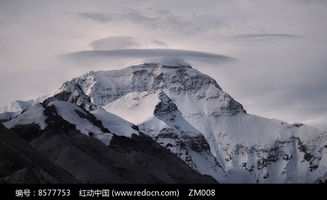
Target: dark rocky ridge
{"x":21,"y":163}
{"x":126,"y":160}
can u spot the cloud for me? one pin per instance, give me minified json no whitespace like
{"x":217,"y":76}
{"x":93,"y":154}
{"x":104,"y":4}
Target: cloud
{"x":93,"y":58}
{"x":159,"y":43}
{"x":115,"y":42}
{"x":159,"y":20}
{"x":125,"y":42}
{"x":264,"y":36}
{"x":99,"y":17}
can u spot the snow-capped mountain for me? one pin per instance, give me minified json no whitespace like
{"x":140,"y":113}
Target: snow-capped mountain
{"x":188,"y":113}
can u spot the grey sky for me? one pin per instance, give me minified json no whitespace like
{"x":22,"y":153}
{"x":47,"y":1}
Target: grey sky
{"x":280,"y":46}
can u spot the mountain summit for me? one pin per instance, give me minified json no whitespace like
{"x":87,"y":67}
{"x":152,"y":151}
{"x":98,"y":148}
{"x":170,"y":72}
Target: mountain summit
{"x":189,"y":114}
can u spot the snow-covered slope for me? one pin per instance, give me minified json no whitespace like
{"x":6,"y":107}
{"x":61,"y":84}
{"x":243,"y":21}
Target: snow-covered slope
{"x":248,"y":148}
{"x":98,"y":123}
{"x":17,"y":106}
{"x":82,"y":120}
{"x":115,"y":124}
{"x":166,"y":125}
{"x":14,"y":109}
{"x":34,"y":114}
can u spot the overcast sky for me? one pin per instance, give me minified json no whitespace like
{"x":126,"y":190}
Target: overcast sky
{"x":277,"y":49}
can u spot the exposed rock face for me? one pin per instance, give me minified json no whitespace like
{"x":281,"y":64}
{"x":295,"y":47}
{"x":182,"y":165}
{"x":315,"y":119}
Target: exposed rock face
{"x":72,"y":93}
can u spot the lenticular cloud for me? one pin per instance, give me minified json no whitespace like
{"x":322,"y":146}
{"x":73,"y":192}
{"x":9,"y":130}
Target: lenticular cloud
{"x":94,"y":57}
